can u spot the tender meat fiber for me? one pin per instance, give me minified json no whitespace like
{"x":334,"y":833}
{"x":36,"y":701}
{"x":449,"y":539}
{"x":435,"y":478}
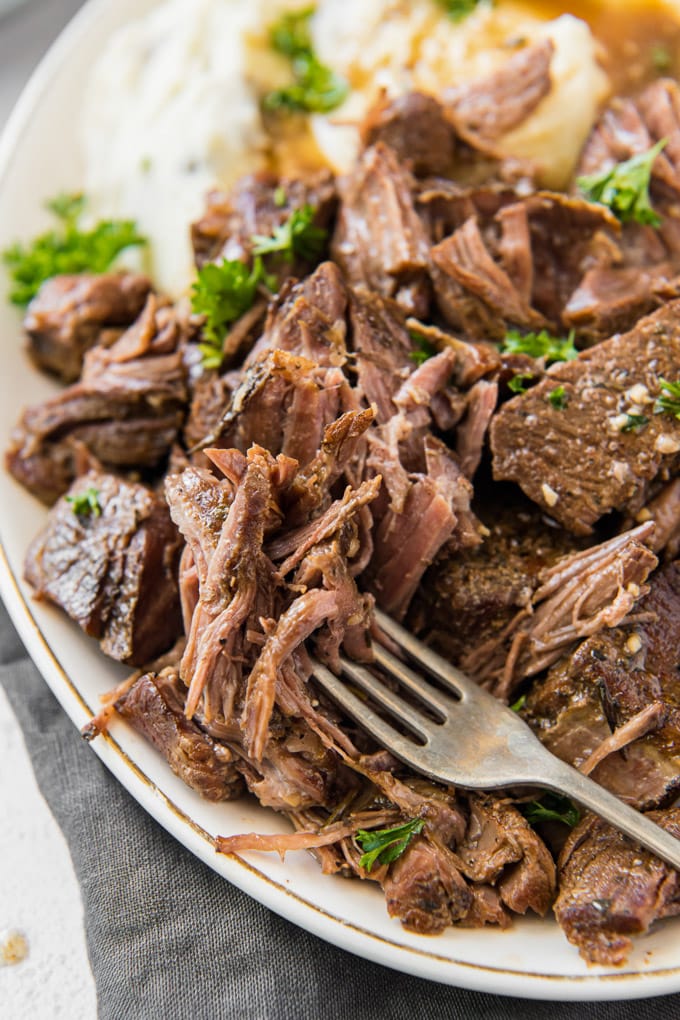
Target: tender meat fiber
{"x":499,"y":844}
{"x":474,"y":293}
{"x":484,"y":110}
{"x":579,"y":462}
{"x":258,"y":205}
{"x":610,"y":299}
{"x":609,"y":680}
{"x":308,"y":318}
{"x":380,"y":241}
{"x":154,"y":705}
{"x":579,"y":595}
{"x":611,"y":889}
{"x":415,"y":126}
{"x":126,"y":410}
{"x":112,"y":568}
{"x":468,"y":596}
{"x":69,"y":314}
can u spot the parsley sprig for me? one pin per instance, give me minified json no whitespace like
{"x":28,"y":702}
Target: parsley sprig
{"x":557,"y":398}
{"x":67,"y":248}
{"x":634,"y":422}
{"x":222,"y":293}
{"x":540,"y":345}
{"x":625,"y":187}
{"x":298,"y":237}
{"x":86,"y":504}
{"x":316,"y":89}
{"x":457,"y":10}
{"x":668,"y":402}
{"x":385,"y":845}
{"x":553,"y":807}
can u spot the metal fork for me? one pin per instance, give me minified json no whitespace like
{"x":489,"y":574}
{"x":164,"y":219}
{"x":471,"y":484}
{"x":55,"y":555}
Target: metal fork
{"x":478,"y":743}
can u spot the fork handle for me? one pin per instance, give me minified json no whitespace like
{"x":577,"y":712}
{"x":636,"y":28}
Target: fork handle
{"x":631,"y":822}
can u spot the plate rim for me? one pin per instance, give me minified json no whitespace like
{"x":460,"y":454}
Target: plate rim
{"x":241,"y":873}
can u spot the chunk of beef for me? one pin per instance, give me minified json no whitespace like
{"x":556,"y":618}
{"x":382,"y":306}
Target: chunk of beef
{"x":379,"y":240}
{"x":154,"y":705}
{"x":125,"y":411}
{"x":485,"y":109}
{"x":501,"y":848}
{"x":611,"y":679}
{"x":468,"y":596}
{"x":611,"y":889}
{"x":580,"y":462}
{"x":112,"y":567}
{"x":416,"y":128}
{"x":69,"y":313}
{"x":382,"y":348}
{"x":258,"y":205}
{"x":425,"y":889}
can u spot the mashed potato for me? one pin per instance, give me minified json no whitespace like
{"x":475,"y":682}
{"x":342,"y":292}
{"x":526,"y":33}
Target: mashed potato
{"x":172,"y":108}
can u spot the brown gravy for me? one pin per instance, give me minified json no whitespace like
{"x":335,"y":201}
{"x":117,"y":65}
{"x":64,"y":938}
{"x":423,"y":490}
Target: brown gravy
{"x":640,"y":40}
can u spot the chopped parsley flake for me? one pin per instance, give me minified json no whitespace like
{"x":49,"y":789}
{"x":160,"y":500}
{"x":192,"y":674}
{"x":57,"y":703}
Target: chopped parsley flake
{"x":86,"y":504}
{"x":669,"y":400}
{"x":518,"y":705}
{"x":316,"y":88}
{"x":457,"y":10}
{"x":385,"y":845}
{"x":557,"y":398}
{"x":540,"y":345}
{"x":222,"y":293}
{"x":661,"y":58}
{"x":298,"y":237}
{"x":625,"y":187}
{"x":423,"y":349}
{"x":518,"y":383}
{"x":553,"y":807}
{"x":66,"y":248}
{"x":634,"y":422}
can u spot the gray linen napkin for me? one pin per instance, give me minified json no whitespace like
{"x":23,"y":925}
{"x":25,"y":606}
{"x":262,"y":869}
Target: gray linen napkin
{"x":169,"y":939}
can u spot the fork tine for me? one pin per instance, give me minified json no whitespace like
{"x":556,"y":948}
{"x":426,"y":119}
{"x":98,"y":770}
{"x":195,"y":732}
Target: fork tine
{"x":435,"y":700}
{"x":420,"y":653}
{"x":357,"y":709}
{"x":386,"y":698}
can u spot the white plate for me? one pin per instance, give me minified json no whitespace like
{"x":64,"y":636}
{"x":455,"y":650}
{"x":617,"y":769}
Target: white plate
{"x":38,"y":159}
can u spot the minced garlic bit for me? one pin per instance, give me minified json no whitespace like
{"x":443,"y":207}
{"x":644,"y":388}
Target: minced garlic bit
{"x":633,"y":589}
{"x":634,"y":643}
{"x":618,"y":422}
{"x":619,"y":470}
{"x":644,"y":516}
{"x":13,"y":948}
{"x":549,"y":494}
{"x":639,"y":394}
{"x":666,"y":444}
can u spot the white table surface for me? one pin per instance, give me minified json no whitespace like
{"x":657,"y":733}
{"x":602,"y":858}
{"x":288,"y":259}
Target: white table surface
{"x":39,"y":894}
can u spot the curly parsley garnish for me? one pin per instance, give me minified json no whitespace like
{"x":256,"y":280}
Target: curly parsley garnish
{"x":66,"y":248}
{"x":540,"y":345}
{"x":668,"y":402}
{"x":518,"y":705}
{"x":553,"y":807}
{"x":457,"y":10}
{"x":222,"y":293}
{"x":519,"y":382}
{"x":316,"y":89}
{"x":86,"y":504}
{"x":557,"y":398}
{"x":625,"y":187}
{"x":385,"y":845}
{"x":298,"y":237}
